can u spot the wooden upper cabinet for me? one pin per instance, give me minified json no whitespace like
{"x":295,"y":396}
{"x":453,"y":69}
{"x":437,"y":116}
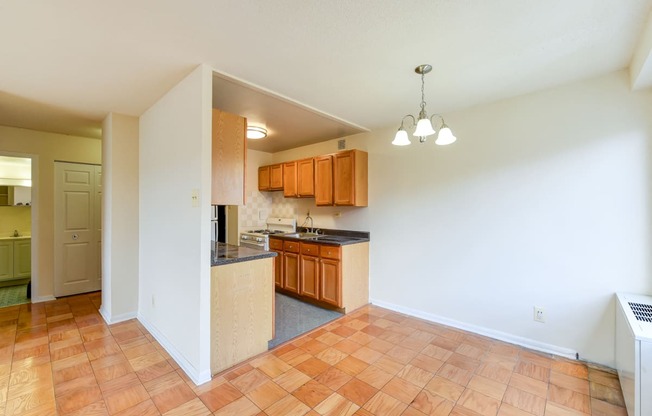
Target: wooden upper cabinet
{"x":276,"y":177}
{"x":290,"y":179}
{"x":229,"y":154}
{"x":324,"y":180}
{"x":270,"y":177}
{"x":350,"y":178}
{"x":264,"y":178}
{"x":306,"y":177}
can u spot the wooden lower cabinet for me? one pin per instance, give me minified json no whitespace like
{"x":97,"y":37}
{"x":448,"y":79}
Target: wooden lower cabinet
{"x":278,"y":268}
{"x":309,"y":286}
{"x":291,"y":272}
{"x":331,"y":282}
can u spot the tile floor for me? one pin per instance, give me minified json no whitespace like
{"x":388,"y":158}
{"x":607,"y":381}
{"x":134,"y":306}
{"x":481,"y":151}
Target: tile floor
{"x":60,"y":358}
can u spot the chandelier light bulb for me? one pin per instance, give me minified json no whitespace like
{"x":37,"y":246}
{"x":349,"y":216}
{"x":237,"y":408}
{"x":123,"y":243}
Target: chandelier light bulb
{"x":445,"y":136}
{"x":401,"y":138}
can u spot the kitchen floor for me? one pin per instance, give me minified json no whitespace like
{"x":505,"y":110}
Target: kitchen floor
{"x":60,"y":357}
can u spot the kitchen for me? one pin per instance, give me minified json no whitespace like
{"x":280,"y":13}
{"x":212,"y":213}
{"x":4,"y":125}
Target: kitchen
{"x":336,"y":275}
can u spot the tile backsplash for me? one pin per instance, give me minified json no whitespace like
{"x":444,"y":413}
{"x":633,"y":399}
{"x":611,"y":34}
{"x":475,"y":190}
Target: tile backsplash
{"x":15,"y":218}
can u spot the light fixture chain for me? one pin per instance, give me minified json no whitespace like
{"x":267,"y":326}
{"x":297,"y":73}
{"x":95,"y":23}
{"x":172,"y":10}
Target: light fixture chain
{"x":423,"y":94}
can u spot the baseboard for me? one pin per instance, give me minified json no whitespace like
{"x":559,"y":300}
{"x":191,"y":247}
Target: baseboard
{"x":502,"y":336}
{"x":197,"y":377}
{"x":110,"y":320}
{"x":39,"y":299}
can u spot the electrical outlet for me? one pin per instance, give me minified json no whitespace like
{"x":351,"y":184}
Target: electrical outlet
{"x":539,"y":314}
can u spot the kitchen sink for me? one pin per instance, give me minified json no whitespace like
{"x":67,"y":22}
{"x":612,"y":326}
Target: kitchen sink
{"x":335,"y":238}
{"x":301,"y":235}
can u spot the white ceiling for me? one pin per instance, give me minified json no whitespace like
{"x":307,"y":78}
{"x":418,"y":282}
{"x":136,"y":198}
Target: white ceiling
{"x":65,"y":65}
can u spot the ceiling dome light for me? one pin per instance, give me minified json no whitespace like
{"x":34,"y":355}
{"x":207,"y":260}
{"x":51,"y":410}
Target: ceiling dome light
{"x":254,"y":132}
{"x":423,"y":123}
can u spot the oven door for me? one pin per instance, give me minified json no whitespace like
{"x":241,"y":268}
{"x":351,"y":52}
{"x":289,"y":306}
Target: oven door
{"x":252,"y":242}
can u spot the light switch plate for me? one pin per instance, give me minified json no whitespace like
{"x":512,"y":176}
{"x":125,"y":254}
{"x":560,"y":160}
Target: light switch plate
{"x":195,"y":198}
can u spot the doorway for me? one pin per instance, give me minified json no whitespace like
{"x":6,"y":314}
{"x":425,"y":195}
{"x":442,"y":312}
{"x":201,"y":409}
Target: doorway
{"x":15,"y":229}
{"x":77,"y":228}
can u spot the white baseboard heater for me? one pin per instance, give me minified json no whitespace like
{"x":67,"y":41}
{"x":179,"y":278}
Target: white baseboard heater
{"x":634,"y":351}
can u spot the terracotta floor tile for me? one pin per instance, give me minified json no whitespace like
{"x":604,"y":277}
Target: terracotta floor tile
{"x":487,"y":387}
{"x":266,"y":394}
{"x":312,"y":393}
{"x":479,"y":403}
{"x":293,"y":379}
{"x":338,"y":405}
{"x":351,"y":365}
{"x":357,"y":391}
{"x":444,"y":388}
{"x":220,"y":396}
{"x":375,"y":377}
{"x":287,"y":406}
{"x":528,"y":402}
{"x":384,"y":404}
{"x":240,"y":407}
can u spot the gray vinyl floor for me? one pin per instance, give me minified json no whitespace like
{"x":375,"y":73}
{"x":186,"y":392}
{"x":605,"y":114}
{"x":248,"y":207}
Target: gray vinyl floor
{"x":294,"y":318}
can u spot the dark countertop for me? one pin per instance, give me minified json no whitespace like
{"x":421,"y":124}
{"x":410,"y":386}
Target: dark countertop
{"x":340,"y":237}
{"x":222,"y":254}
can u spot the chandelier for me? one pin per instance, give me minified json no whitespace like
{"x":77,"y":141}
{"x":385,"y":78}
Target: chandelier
{"x":423,"y":123}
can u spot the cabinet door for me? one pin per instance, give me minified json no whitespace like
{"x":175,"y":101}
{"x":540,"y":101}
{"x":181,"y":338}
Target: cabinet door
{"x":306,"y":177}
{"x":6,"y":259}
{"x":350,"y":178}
{"x":309,"y":286}
{"x":331,"y":282}
{"x":264,"y":178}
{"x":291,"y":272}
{"x":229,"y":155}
{"x":324,"y":180}
{"x":23,"y":258}
{"x":343,"y":175}
{"x":290,"y":179}
{"x":278,"y":268}
{"x":276,"y":177}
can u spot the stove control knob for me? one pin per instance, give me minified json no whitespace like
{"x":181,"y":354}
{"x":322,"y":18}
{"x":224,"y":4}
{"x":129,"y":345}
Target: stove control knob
{"x":244,"y":237}
{"x":259,"y":240}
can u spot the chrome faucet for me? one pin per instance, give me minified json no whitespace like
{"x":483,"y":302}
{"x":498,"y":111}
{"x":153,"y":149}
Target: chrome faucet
{"x":16,"y":234}
{"x":308,"y":217}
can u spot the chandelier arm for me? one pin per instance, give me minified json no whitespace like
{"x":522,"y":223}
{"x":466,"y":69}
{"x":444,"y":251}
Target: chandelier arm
{"x":414,"y":120}
{"x":440,"y":118}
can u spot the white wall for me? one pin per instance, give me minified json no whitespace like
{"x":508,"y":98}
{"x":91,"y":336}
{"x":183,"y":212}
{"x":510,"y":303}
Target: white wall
{"x":119,"y":218}
{"x":544,"y":200}
{"x":174,"y":160}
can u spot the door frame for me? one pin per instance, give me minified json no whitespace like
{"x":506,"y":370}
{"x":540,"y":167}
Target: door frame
{"x":34,"y":219}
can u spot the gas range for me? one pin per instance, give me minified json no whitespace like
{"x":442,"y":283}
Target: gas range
{"x":260,"y":238}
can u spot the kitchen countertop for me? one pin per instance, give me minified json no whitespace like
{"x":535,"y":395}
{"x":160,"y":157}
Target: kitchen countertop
{"x":222,"y":254}
{"x":344,"y":237}
{"x":22,"y":237}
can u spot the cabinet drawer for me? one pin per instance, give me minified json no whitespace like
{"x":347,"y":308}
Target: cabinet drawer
{"x":275,"y":244}
{"x":291,"y":246}
{"x":309,"y":249}
{"x":330,"y":252}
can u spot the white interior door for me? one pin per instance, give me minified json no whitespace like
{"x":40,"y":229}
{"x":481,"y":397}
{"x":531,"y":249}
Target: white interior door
{"x":75,"y":230}
{"x":98,"y":223}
